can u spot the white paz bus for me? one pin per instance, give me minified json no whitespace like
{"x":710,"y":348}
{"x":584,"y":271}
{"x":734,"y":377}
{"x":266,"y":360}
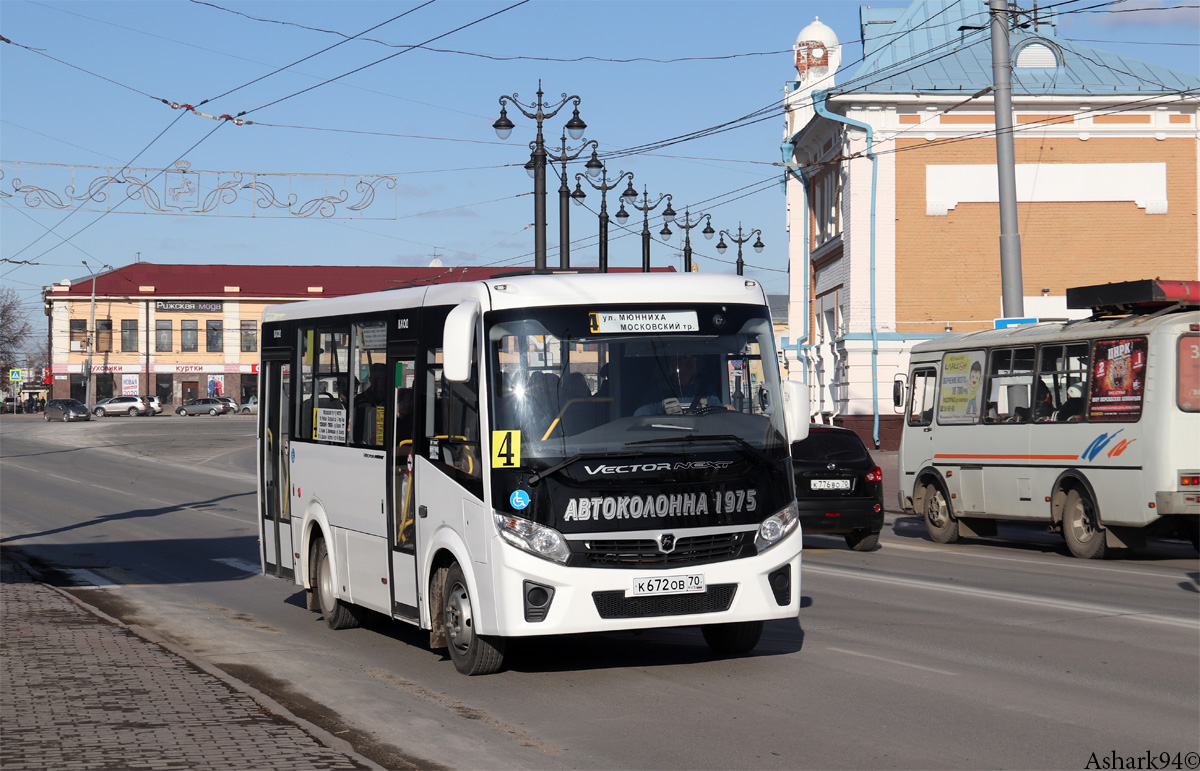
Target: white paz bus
{"x":1091,"y":426}
{"x":533,"y":455}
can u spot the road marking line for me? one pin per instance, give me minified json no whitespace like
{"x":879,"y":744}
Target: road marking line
{"x":991,"y":594}
{"x":949,"y":549}
{"x":240,"y":564}
{"x":892,"y":661}
{"x":178,"y":506}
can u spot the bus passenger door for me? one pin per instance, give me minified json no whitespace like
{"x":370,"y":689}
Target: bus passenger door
{"x":405,"y":594}
{"x":916,"y":449}
{"x":275,"y":409}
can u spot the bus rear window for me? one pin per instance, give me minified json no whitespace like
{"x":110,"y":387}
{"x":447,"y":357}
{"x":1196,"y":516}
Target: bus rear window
{"x":1187,"y":392}
{"x":822,"y":445}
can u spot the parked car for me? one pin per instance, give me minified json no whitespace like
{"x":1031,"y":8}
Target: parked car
{"x":234,"y":407}
{"x":839,"y":488}
{"x":66,"y":410}
{"x":155,"y":404}
{"x":122,"y":405}
{"x":100,"y":403}
{"x":12,"y":404}
{"x":251,"y":406}
{"x":204,"y":406}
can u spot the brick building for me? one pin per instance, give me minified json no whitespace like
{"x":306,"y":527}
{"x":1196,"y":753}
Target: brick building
{"x":182,"y":331}
{"x":893,"y":210}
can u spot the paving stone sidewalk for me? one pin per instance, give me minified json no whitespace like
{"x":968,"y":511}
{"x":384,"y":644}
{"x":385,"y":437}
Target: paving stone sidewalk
{"x":80,"y":691}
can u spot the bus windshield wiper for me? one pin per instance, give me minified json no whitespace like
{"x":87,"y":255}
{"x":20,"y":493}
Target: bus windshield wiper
{"x":742,"y":444}
{"x":540,"y":475}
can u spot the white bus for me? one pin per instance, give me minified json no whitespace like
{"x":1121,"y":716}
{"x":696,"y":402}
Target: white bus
{"x":1092,"y":426}
{"x":533,"y":455}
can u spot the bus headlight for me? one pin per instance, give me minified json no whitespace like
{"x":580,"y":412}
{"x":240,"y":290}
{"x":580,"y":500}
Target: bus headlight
{"x":539,"y":540}
{"x":776,"y":527}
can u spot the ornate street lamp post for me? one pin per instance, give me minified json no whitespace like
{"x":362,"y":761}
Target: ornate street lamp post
{"x":758,"y":245}
{"x":645,"y":207}
{"x":594,"y":167}
{"x":539,"y":111}
{"x":629,"y":196}
{"x":89,"y":393}
{"x":686,"y":224}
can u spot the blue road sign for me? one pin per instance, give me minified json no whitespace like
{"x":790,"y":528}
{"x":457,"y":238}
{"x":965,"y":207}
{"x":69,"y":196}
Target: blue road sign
{"x":1014,"y":322}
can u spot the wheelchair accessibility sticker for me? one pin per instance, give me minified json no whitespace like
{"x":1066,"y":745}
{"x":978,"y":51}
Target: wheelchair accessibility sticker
{"x":519,"y":499}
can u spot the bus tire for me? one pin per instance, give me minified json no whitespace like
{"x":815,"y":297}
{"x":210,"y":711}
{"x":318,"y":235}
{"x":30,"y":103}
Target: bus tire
{"x":338,"y":614}
{"x":732,"y":639}
{"x":1081,"y":527}
{"x":861,"y":540}
{"x":472,"y":654}
{"x":939,"y":519}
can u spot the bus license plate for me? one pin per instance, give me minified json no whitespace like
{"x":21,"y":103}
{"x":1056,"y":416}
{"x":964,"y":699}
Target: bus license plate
{"x":829,"y":484}
{"x":643,"y":587}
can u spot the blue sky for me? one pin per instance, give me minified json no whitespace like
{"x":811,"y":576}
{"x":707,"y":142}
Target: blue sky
{"x":87,"y":100}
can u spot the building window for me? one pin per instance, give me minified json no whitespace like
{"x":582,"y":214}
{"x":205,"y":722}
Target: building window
{"x":249,"y":336}
{"x":78,"y":334}
{"x":163,"y":336}
{"x":129,"y":334}
{"x":213,"y":333}
{"x":189,"y":336}
{"x":826,"y":203}
{"x":103,"y":335}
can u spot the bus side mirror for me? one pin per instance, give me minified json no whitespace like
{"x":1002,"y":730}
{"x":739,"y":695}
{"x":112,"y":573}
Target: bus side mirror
{"x":795,"y":409}
{"x":898,"y":392}
{"x":458,"y":340}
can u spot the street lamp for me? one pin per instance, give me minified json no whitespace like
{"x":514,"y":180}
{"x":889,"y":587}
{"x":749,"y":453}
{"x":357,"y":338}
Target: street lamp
{"x":90,"y":394}
{"x":630,"y":194}
{"x":645,"y":207}
{"x":593,"y":167}
{"x":538,"y":111}
{"x":758,"y":245}
{"x":686,"y":224}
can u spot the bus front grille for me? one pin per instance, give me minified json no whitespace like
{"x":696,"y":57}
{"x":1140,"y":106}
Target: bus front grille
{"x":717,"y":598}
{"x":644,"y":553}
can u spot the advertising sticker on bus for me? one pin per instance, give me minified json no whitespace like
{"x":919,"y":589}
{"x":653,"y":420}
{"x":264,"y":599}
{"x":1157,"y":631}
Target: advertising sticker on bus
{"x":1118,"y":379}
{"x":962,"y":382}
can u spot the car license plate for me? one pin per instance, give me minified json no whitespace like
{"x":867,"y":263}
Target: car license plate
{"x":829,"y":484}
{"x":643,"y":587}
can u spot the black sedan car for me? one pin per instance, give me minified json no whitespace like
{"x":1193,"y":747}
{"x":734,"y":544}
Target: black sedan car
{"x":839,"y":488}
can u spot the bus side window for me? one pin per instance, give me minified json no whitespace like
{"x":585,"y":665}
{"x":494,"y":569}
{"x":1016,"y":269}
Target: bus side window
{"x":1062,"y":382}
{"x":452,"y":423}
{"x":920,"y":406}
{"x":1010,"y":381}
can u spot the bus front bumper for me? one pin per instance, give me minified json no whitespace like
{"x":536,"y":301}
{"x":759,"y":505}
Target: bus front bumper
{"x":759,"y":588}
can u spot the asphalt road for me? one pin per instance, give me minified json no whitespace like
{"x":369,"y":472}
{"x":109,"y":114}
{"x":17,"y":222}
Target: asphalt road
{"x":1001,"y":652}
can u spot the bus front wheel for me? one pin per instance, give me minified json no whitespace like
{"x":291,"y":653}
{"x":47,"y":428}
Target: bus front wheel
{"x":338,"y":614}
{"x":939,"y":521}
{"x":472,"y":654}
{"x":732,"y":639}
{"x":1081,"y":527}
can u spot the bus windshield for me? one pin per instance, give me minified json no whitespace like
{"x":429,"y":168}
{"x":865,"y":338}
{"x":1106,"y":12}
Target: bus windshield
{"x":580,"y":381}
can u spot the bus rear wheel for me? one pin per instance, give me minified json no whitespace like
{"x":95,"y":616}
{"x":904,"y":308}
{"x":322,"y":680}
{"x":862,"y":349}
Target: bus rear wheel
{"x":338,"y":614}
{"x":939,"y":520}
{"x":732,"y":639}
{"x":472,"y":654}
{"x":1081,"y":527}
